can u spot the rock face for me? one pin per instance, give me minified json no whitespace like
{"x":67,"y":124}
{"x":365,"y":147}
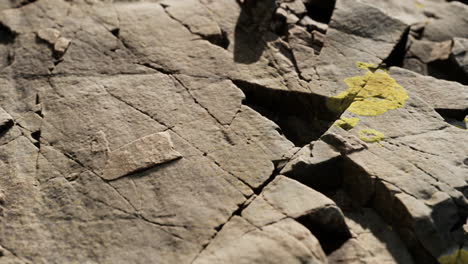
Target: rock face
{"x":255,"y":131}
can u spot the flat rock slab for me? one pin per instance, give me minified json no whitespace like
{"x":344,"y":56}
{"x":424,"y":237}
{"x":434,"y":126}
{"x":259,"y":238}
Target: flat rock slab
{"x":139,"y":155}
{"x":283,"y":241}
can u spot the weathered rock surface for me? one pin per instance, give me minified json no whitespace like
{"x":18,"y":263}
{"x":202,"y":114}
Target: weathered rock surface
{"x":264,"y":131}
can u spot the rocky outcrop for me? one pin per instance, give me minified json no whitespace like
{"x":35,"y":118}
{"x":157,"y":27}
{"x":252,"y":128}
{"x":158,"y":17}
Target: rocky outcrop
{"x":231,"y":131}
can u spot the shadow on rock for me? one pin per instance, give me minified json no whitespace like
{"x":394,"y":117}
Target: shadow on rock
{"x":253,"y":22}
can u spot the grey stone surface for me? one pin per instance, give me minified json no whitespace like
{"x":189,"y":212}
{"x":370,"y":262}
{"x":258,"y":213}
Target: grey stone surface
{"x":227,"y":131}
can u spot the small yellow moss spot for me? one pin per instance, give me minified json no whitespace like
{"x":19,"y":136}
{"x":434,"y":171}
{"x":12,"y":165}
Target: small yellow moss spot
{"x":419,"y":5}
{"x":370,"y":135}
{"x":366,"y":66}
{"x":371,"y":94}
{"x":460,"y":256}
{"x":347,"y":123}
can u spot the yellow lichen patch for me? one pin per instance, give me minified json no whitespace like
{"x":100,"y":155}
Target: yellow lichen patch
{"x":371,"y":94}
{"x":347,"y":123}
{"x":460,"y":256}
{"x":419,"y":4}
{"x":366,"y":66}
{"x":370,"y":135}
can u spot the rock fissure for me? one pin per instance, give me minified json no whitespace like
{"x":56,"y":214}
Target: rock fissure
{"x":178,"y":119}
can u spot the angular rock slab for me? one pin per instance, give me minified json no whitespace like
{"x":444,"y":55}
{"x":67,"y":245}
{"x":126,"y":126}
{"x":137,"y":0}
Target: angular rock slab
{"x":141,"y":154}
{"x":440,"y":94}
{"x":285,"y":241}
{"x":287,"y":198}
{"x":373,"y":240}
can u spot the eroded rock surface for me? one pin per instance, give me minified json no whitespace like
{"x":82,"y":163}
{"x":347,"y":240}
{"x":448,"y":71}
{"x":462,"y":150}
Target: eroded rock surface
{"x":255,"y":131}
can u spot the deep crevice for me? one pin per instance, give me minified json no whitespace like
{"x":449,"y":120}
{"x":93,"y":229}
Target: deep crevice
{"x":115,"y":32}
{"x":320,"y":10}
{"x":6,"y":35}
{"x":273,"y":175}
{"x":302,"y":117}
{"x":454,"y":117}
{"x":312,"y":175}
{"x":461,"y":1}
{"x":220,"y":40}
{"x":453,"y":113}
{"x":342,"y":174}
{"x":397,"y":56}
{"x":36,"y":135}
{"x":328,"y":236}
{"x":6,"y":126}
{"x":447,"y":70}
{"x":25,"y":2}
{"x":326,"y":178}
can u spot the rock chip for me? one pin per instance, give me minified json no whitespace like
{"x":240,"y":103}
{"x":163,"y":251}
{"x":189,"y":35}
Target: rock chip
{"x":138,"y":155}
{"x":50,"y":35}
{"x":61,"y":45}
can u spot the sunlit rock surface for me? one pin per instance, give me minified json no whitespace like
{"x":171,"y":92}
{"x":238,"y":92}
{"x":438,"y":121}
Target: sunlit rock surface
{"x":224,"y":131}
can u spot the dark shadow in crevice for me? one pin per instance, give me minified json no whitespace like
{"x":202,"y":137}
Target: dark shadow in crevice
{"x":454,"y":117}
{"x":368,"y":191}
{"x":6,"y":35}
{"x":324,"y":177}
{"x":456,"y":114}
{"x":6,"y":126}
{"x":397,"y":56}
{"x":115,"y":32}
{"x":37,"y":136}
{"x":447,"y":70}
{"x":24,"y":2}
{"x":353,"y":189}
{"x":220,"y":40}
{"x":461,"y":1}
{"x":253,"y":22}
{"x":320,"y":10}
{"x":302,"y":117}
{"x":327,"y":226}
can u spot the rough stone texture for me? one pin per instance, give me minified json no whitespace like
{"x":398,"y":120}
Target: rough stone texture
{"x":241,"y":242}
{"x":439,"y":94}
{"x":202,"y":131}
{"x":372,"y":240}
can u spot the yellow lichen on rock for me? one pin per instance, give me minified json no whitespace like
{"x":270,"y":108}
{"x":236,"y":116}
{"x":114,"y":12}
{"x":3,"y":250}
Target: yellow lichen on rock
{"x":370,"y":135}
{"x":380,"y":94}
{"x":419,"y":4}
{"x":460,"y":256}
{"x":366,"y":66}
{"x":372,"y":94}
{"x":347,"y":123}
